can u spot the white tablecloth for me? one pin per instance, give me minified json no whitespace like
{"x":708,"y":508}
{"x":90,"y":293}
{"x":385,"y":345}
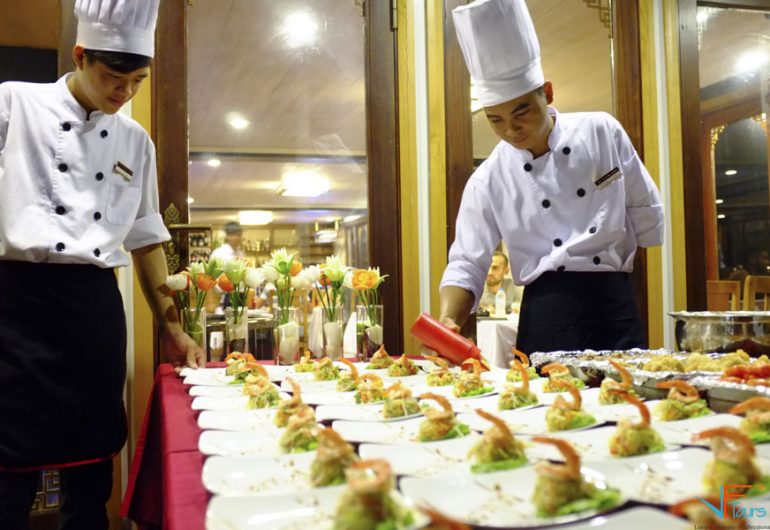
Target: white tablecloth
{"x":496,"y":337}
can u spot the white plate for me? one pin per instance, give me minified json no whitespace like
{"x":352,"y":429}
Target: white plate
{"x":681,"y":432}
{"x":488,"y":403}
{"x":356,"y":413}
{"x":258,"y":475}
{"x":218,"y":391}
{"x":640,"y":518}
{"x":217,"y":376}
{"x":311,"y":386}
{"x":424,"y":459}
{"x":312,"y":509}
{"x":529,"y":421}
{"x":498,"y":500}
{"x":377,"y":431}
{"x":224,"y":443}
{"x":225,"y":403}
{"x":236,"y":420}
{"x":446,"y":391}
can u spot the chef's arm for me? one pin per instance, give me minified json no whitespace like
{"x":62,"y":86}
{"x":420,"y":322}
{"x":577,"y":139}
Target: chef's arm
{"x":455,"y":306}
{"x":150,"y":264}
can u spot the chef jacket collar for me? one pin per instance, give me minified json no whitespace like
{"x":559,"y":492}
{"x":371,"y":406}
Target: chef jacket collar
{"x":553,"y":138}
{"x":69,"y":101}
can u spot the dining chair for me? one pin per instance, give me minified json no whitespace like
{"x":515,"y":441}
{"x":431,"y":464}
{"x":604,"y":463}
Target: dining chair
{"x":723,"y":295}
{"x":756,"y":293}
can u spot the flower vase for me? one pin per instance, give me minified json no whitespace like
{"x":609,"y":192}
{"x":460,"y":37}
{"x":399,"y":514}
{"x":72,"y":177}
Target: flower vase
{"x":286,"y":336}
{"x":236,"y":330}
{"x":332,"y":333}
{"x":368,"y":330}
{"x":195,"y":325}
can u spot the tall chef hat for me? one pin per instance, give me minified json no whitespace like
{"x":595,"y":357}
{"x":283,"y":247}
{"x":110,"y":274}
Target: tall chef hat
{"x":117,"y":25}
{"x":501,"y":50}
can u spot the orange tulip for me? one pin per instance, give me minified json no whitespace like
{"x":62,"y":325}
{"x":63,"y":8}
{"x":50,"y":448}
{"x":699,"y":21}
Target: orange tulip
{"x":296,"y":268}
{"x":225,"y":283}
{"x":204,"y":282}
{"x":359,"y":279}
{"x":325,"y":281}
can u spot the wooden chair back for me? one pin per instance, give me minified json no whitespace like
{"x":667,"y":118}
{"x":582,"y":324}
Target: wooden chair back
{"x":723,"y":295}
{"x":756,"y":293}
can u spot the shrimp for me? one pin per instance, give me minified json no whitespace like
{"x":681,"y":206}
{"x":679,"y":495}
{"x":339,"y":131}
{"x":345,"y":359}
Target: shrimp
{"x":370,"y":476}
{"x":353,"y":369}
{"x":237,"y":356}
{"x":569,"y":470}
{"x":475,"y":365}
{"x":555,"y":369}
{"x":296,"y":393}
{"x":739,"y":450}
{"x":257,"y":387}
{"x":445,"y":413}
{"x":680,"y":391}
{"x":524,"y":388}
{"x":331,"y":446}
{"x":643,"y":410}
{"x":258,"y":368}
{"x":757,"y":408}
{"x":398,"y":391}
{"x":702,"y":516}
{"x":374,"y":378}
{"x":499,"y":434}
{"x":522,"y":357}
{"x":302,"y":417}
{"x":626,"y":380}
{"x":442,"y":363}
{"x":323,"y":363}
{"x":439,"y":521}
{"x":561,"y":403}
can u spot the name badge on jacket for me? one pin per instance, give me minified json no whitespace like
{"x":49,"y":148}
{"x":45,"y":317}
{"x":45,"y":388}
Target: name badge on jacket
{"x":608,"y":178}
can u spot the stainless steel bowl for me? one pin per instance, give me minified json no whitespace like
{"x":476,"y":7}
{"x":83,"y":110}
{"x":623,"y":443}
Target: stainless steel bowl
{"x":723,"y":331}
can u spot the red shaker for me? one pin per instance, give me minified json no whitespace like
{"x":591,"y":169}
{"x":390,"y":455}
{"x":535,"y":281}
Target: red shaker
{"x":450,"y":344}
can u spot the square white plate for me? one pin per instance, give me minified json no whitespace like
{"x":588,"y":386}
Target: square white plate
{"x":259,"y":475}
{"x":497,"y":500}
{"x":217,"y":377}
{"x":639,"y":518}
{"x":356,"y":413}
{"x":446,"y":391}
{"x":225,"y":403}
{"x":378,"y":432}
{"x":529,"y":421}
{"x":218,"y":391}
{"x":225,"y":443}
{"x":681,"y":432}
{"x":237,"y":420}
{"x":312,"y":509}
{"x":424,"y":459}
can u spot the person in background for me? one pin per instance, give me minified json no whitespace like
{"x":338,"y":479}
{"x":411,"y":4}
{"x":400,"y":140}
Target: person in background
{"x":78,"y":188}
{"x":756,"y":262}
{"x":496,"y":280}
{"x":232,"y":246}
{"x":566,"y":193}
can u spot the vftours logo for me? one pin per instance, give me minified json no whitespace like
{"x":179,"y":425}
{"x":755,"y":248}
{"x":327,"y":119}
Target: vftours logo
{"x":729,"y":508}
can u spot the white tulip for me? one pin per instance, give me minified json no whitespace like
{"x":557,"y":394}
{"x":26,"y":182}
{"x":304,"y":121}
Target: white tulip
{"x":253,"y":277}
{"x":177,"y":282}
{"x":270,"y":273}
{"x":348,"y":281}
{"x":335,"y":270}
{"x":196,"y":268}
{"x":299,"y":282}
{"x":312,"y":274}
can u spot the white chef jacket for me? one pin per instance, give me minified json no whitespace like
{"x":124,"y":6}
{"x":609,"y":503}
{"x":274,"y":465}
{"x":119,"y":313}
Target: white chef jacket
{"x":226,"y":253}
{"x":585,"y":205}
{"x":63,"y":198}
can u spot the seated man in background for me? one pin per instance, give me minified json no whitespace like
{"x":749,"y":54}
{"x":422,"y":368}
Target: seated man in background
{"x":496,"y":280}
{"x":756,"y":262}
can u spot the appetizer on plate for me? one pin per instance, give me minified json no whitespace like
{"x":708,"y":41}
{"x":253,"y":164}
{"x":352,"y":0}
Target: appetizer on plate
{"x":370,"y":389}
{"x":701,"y":516}
{"x":631,"y":439}
{"x":756,"y":424}
{"x":514,"y":374}
{"x":325,"y":370}
{"x":440,"y":424}
{"x":333,"y":456}
{"x":440,"y":376}
{"x":301,"y":434}
{"x":399,"y":402}
{"x":234,"y":359}
{"x":380,"y":359}
{"x":606,"y":394}
{"x":683,"y":402}
{"x":559,"y":372}
{"x":564,"y":415}
{"x":561,"y":489}
{"x":368,"y":504}
{"x":288,"y":407}
{"x":733,"y":461}
{"x":401,"y":367}
{"x":246,"y":372}
{"x":348,"y":380}
{"x":470,"y":384}
{"x":261,"y":392}
{"x":514,"y":397}
{"x":305,"y":364}
{"x":497,"y":450}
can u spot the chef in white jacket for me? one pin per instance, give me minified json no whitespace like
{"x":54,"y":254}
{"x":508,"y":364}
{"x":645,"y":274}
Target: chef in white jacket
{"x":78,"y":193}
{"x":566,"y":192}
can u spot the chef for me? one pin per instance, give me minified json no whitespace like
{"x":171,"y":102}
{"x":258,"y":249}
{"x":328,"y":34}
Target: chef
{"x":567,"y":193}
{"x":78,"y":193}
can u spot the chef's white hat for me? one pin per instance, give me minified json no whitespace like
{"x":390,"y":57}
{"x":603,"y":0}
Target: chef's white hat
{"x":500,"y":47}
{"x":117,"y":25}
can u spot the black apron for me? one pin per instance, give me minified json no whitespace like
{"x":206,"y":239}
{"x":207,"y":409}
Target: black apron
{"x":578,"y":311}
{"x":62,"y":365}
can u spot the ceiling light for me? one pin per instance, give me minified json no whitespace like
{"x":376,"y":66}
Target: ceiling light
{"x":214,"y":162}
{"x":730,"y":172}
{"x":750,"y":61}
{"x":351,"y":218}
{"x":255,"y":217}
{"x":236,"y":121}
{"x":299,"y":29}
{"x":303,"y":183}
{"x":721,"y":216}
{"x":325,"y":236}
{"x":190,"y":200}
{"x":720,"y":201}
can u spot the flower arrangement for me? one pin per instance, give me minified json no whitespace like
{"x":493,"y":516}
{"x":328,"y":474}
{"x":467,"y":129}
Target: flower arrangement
{"x":235,"y":280}
{"x":285,"y":271}
{"x":328,"y":280}
{"x":369,"y":333}
{"x":367,"y":282}
{"x":190,"y":286}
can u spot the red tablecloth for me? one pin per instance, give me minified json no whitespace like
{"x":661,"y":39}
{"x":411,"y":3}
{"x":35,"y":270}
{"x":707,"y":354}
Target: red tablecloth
{"x":164,"y":486}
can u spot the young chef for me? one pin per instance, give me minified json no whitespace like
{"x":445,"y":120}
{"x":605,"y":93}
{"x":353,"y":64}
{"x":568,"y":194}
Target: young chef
{"x":77,"y":182}
{"x":566,"y":192}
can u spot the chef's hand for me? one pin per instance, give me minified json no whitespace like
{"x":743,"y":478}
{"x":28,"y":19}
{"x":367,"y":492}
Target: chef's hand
{"x":180,"y":349}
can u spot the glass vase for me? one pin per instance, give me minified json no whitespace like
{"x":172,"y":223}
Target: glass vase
{"x":332,"y":333}
{"x":195,"y":325}
{"x":286,"y":336}
{"x":236,"y":331}
{"x":368,"y":330}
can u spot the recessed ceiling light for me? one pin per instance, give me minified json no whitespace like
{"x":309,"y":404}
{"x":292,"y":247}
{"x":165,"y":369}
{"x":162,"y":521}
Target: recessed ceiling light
{"x":255,"y":217}
{"x":299,"y":29}
{"x":730,"y":172}
{"x":214,"y":162}
{"x":190,"y":200}
{"x":720,"y":201}
{"x":236,"y":121}
{"x":303,"y":183}
{"x":721,"y":216}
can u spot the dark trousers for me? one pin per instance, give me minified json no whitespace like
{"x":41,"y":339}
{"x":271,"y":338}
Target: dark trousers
{"x":85,"y":491}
